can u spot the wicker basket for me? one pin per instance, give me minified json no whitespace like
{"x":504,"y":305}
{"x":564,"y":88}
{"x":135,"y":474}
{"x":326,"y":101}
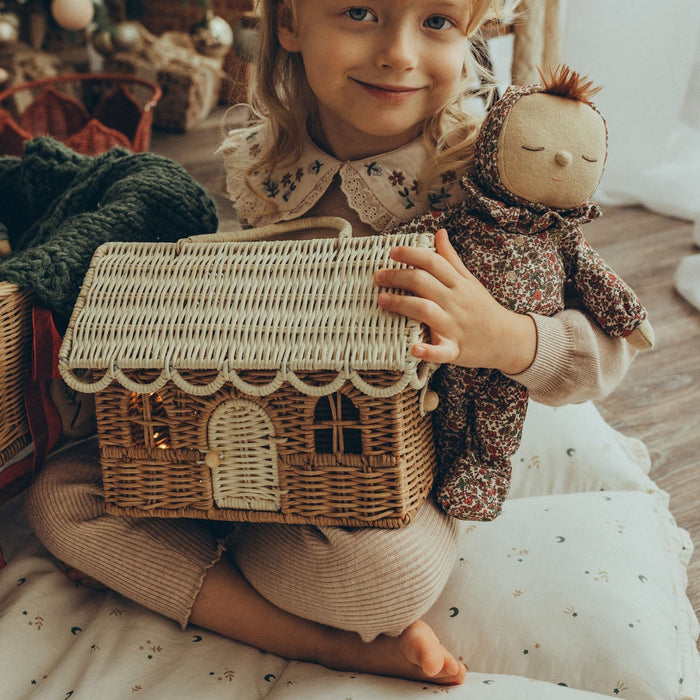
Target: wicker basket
{"x":15,"y":338}
{"x":90,"y":113}
{"x":253,"y":381}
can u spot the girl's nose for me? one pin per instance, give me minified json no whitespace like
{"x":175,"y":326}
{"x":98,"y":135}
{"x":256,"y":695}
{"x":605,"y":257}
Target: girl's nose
{"x":563,"y":158}
{"x":396,"y":50}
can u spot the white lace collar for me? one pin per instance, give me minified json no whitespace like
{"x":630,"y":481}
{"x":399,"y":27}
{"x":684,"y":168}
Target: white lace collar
{"x":383,"y":189}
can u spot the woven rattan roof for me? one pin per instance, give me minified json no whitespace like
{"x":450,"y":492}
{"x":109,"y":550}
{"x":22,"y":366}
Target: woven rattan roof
{"x":289,"y":306}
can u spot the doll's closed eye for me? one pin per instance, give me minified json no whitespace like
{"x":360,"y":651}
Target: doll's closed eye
{"x":534,"y":148}
{"x":590,"y":160}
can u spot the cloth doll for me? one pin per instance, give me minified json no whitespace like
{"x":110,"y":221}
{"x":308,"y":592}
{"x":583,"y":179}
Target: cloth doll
{"x":539,"y":157}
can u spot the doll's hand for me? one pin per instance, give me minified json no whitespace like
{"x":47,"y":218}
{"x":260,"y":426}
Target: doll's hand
{"x":468,"y":327}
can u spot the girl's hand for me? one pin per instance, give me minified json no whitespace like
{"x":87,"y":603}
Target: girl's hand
{"x":468,"y":327}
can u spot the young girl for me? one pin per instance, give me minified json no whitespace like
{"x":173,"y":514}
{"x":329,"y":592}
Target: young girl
{"x":360,"y":117}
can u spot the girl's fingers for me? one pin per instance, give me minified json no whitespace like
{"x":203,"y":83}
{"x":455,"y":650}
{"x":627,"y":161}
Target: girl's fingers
{"x":418,"y":282}
{"x":427,"y":261}
{"x":442,"y":349}
{"x":444,"y":264}
{"x":419,"y":309}
{"x":446,"y":251}
{"x":416,"y":307}
{"x":440,"y":353}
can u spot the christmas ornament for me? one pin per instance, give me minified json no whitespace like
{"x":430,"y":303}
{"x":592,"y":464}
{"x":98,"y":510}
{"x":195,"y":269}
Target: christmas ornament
{"x":127,"y":36}
{"x":102,"y":42}
{"x":212,"y":36}
{"x":73,"y":15}
{"x":9,"y":29}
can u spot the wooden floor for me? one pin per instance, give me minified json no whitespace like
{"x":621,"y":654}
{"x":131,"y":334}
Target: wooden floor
{"x":659,"y":400}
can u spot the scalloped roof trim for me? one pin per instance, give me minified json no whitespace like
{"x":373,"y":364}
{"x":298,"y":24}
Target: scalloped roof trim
{"x":285,"y":306}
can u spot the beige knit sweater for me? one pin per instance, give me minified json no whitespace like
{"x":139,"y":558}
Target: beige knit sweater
{"x":575,"y":360}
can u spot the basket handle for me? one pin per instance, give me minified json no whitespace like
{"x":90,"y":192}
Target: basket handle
{"x":270,"y":231}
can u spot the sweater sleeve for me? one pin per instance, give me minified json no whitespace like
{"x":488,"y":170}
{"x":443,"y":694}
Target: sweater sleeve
{"x":575,"y":361}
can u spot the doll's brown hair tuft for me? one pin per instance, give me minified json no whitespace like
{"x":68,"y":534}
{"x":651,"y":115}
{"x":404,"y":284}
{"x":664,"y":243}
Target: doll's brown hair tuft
{"x":564,"y":82}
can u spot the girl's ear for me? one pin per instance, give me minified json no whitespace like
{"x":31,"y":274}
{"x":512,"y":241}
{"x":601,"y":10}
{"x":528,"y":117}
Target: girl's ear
{"x":286,"y":30}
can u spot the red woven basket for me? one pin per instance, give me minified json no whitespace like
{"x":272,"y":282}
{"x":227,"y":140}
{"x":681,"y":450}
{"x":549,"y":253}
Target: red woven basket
{"x":62,"y":107}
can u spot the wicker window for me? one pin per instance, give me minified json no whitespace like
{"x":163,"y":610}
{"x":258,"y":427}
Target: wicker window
{"x":149,"y":423}
{"x":337,"y":425}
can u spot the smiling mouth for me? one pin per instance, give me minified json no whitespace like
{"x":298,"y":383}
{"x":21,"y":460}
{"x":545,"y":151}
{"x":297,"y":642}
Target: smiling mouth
{"x":558,"y":179}
{"x":392,"y":92}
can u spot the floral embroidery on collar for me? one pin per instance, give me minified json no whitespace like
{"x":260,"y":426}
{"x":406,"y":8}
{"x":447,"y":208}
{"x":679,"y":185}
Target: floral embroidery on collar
{"x":383,"y":190}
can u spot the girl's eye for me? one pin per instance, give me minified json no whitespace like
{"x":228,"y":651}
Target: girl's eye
{"x":590,"y":160}
{"x":359,"y":14}
{"x":438,"y":22}
{"x":534,"y":148}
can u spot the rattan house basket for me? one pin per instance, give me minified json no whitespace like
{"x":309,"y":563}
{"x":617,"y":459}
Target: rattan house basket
{"x":254,"y":380}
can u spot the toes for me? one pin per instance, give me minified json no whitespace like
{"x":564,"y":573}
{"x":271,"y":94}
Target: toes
{"x":452,"y":667}
{"x":422,"y":647}
{"x":433,"y":663}
{"x":451,"y":670}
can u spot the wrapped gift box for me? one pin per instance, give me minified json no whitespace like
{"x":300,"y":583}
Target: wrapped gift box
{"x":189,"y":80}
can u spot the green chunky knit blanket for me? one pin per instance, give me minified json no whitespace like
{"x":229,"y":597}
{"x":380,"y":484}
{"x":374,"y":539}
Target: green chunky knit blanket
{"x":57,"y":207}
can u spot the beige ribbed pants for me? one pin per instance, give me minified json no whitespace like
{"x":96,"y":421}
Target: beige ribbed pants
{"x":370,"y":581}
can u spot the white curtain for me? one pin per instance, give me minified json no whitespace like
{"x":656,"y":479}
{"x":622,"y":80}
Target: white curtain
{"x":646,"y":55}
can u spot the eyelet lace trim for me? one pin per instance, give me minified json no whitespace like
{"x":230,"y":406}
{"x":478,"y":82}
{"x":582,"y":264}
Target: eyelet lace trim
{"x":382,"y":191}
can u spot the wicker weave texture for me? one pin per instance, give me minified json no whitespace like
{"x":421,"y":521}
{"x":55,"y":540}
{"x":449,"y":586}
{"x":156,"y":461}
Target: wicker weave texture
{"x":15,"y":338}
{"x":155,"y":447}
{"x":254,"y":380}
{"x":287,"y":306}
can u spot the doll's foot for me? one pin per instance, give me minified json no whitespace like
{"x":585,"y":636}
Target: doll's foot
{"x":475,"y":494}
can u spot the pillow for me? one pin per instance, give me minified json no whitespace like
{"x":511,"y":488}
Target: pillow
{"x":302,"y":681}
{"x":586,"y":590}
{"x":68,"y":640}
{"x":583,"y":589}
{"x":572,"y":449}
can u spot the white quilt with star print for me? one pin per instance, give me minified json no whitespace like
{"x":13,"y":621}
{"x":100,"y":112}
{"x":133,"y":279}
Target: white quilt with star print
{"x":576,"y":592}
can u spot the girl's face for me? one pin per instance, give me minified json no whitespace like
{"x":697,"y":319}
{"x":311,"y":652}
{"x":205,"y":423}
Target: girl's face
{"x":379,"y":70}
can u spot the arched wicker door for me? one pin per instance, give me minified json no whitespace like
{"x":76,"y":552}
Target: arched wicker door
{"x":247,"y":475}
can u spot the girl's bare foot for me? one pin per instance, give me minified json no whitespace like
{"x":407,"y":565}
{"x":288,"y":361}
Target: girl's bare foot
{"x":416,"y":654}
{"x":227,"y":604}
{"x":421,"y":647}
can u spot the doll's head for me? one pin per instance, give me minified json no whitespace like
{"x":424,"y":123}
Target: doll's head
{"x":545,"y":143}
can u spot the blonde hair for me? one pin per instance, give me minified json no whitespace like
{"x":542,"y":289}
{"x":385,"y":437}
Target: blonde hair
{"x":280,"y":96}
